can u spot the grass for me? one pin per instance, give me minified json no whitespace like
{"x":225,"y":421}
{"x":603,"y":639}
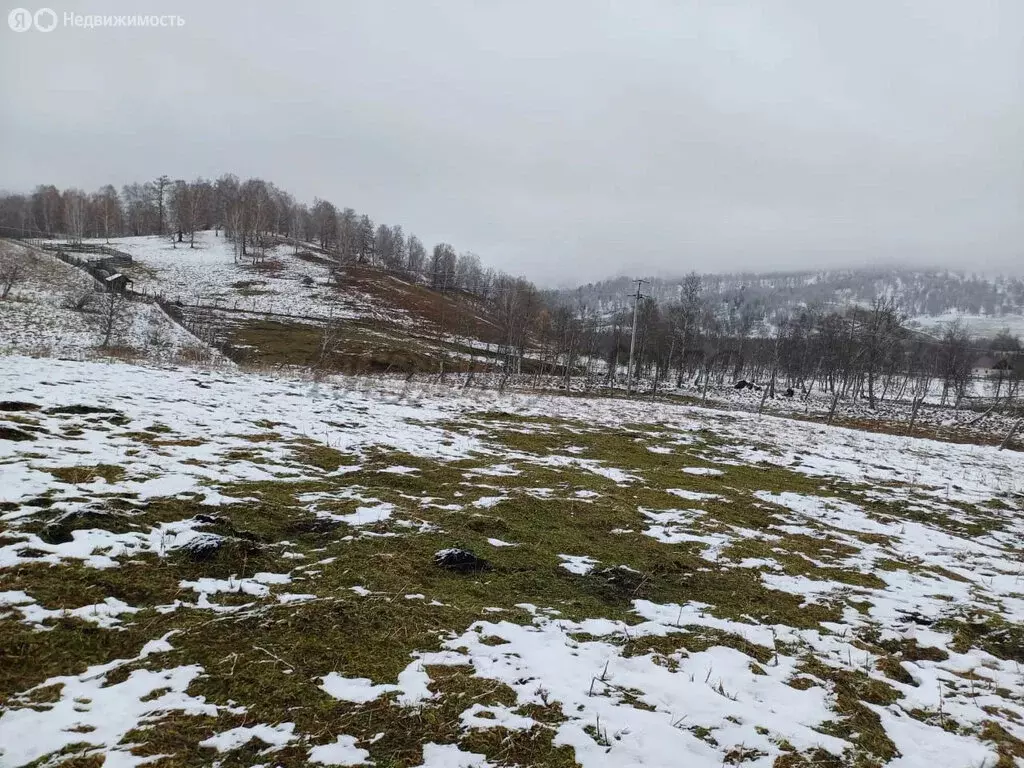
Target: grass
{"x":359,"y":348}
{"x":14,"y":434}
{"x":269,"y":657}
{"x":78,"y":474}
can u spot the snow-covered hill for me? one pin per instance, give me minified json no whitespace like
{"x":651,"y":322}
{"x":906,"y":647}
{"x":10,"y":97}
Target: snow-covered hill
{"x":54,"y":309}
{"x":212,"y":273}
{"x":275,"y":306}
{"x":987,"y":304}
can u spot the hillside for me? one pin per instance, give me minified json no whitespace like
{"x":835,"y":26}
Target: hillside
{"x":294,"y":306}
{"x":218,"y":567}
{"x":929,"y":297}
{"x":54,"y":309}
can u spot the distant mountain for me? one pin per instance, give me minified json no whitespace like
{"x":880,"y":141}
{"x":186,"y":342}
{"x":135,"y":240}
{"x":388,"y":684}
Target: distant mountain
{"x":920,"y":293}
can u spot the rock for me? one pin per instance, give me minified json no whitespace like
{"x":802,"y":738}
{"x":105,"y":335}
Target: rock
{"x":460,"y":560}
{"x":204,"y":546}
{"x":208,"y":519}
{"x":918,"y":618}
{"x":80,"y":410}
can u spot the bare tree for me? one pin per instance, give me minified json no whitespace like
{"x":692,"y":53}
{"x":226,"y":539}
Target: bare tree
{"x":113,"y":319}
{"x":47,"y":208}
{"x":922,"y":374}
{"x":329,"y":342}
{"x":416,"y":257}
{"x":12,"y":271}
{"x":954,"y":362}
{"x":75,"y":207}
{"x":325,"y":224}
{"x":108,"y":210}
{"x":879,"y":332}
{"x":159,"y":187}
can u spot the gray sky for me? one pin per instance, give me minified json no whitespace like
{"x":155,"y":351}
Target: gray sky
{"x":564,"y":140}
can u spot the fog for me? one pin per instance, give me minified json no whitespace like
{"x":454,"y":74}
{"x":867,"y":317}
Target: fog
{"x":565,"y":141}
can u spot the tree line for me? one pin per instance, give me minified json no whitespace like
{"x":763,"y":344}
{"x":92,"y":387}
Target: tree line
{"x":919,"y":291}
{"x":694,"y":331}
{"x":256,"y":215}
{"x":697,"y":340}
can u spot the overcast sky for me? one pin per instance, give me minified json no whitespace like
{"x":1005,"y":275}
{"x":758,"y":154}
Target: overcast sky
{"x":566,"y":141}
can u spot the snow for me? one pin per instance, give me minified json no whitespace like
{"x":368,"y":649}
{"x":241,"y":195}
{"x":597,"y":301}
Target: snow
{"x":104,"y":614}
{"x":274,"y":735}
{"x":714,"y":689}
{"x":91,"y":711}
{"x":450,"y":756}
{"x":906,"y":488}
{"x":36,"y":318}
{"x":211,"y":274}
{"x":412,"y":685}
{"x":356,"y":690}
{"x":257,"y":586}
{"x":342,"y":752}
{"x":977,"y":325}
{"x":581,"y":565}
{"x":486,"y":502}
{"x":683,"y":493}
{"x":921,"y":746}
{"x":498,"y":717}
{"x":499,"y":543}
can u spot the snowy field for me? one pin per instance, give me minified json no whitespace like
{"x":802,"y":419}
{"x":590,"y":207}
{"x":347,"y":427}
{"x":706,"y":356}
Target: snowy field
{"x":226,"y":569}
{"x":966,"y":421}
{"x":211,"y":274}
{"x":38,"y":316}
{"x":985,"y":326}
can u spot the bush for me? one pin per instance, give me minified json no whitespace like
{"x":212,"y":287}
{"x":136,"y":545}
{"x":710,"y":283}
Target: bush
{"x":79,"y":302}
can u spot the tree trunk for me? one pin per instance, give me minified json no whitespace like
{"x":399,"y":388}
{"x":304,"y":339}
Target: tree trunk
{"x":1010,"y":434}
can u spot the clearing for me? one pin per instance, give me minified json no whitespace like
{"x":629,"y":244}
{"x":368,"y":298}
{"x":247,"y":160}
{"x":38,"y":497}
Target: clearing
{"x":215,"y":567}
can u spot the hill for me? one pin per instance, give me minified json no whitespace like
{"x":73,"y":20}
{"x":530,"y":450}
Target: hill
{"x":294,"y":305}
{"x":928,"y":297}
{"x":56,"y":309}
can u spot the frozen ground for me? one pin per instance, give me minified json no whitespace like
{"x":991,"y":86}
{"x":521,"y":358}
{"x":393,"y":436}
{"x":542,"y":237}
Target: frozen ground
{"x":222,"y":568}
{"x":211,"y":274}
{"x":37,"y":317}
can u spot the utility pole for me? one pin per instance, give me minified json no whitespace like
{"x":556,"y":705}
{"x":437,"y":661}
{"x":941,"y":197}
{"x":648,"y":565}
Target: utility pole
{"x":632,"y":341}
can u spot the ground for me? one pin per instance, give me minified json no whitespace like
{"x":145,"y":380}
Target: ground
{"x":47,"y":313}
{"x":272,"y":310}
{"x":216,"y":567}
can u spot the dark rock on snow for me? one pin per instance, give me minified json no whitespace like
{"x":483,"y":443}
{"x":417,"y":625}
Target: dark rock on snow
{"x":460,"y":560}
{"x":204,"y":546}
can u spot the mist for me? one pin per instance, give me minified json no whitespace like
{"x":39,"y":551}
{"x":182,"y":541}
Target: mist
{"x":566,"y":142}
